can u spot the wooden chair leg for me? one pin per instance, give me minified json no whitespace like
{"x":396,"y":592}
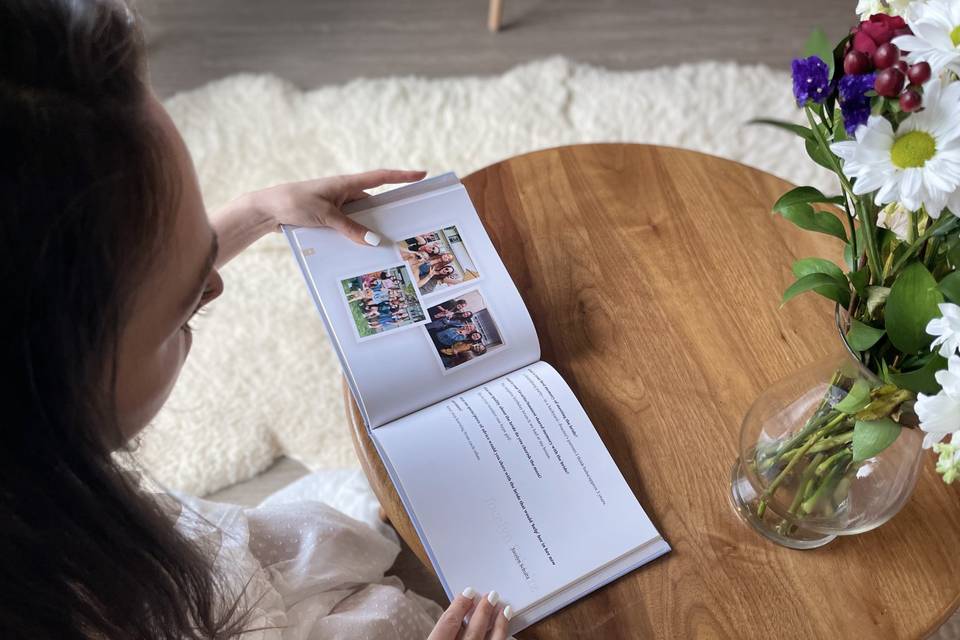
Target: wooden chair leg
{"x":496,"y":13}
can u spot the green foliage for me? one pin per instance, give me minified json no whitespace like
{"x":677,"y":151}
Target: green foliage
{"x":870,"y":437}
{"x":818,"y":154}
{"x":950,"y":286}
{"x":856,"y":399}
{"x":862,"y":336}
{"x":859,"y":279}
{"x":805,"y":217}
{"x":835,"y":288}
{"x":822,"y":283}
{"x":806,"y":195}
{"x":953,"y":251}
{"x":796,"y":129}
{"x":921,"y":380}
{"x":807,"y":266}
{"x":911,"y":305}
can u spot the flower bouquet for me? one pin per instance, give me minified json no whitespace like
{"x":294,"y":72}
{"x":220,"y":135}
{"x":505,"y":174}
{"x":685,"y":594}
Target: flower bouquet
{"x":836,"y":449}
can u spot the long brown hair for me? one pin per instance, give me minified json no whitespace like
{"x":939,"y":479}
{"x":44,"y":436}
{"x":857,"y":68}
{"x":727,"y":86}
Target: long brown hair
{"x":86,"y":196}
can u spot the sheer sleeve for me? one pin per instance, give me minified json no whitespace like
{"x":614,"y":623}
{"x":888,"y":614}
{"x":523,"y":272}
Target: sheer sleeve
{"x":319,"y":573}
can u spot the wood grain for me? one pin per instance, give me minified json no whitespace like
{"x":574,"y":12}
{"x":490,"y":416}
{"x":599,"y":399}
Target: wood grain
{"x":654,"y":276}
{"x":313,"y":43}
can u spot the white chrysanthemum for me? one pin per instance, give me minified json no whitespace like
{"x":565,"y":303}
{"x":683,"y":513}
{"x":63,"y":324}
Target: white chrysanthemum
{"x":946,"y":329}
{"x":866,"y":8}
{"x":936,"y":35}
{"x":919,"y":165}
{"x":940,"y":414}
{"x":896,"y":218}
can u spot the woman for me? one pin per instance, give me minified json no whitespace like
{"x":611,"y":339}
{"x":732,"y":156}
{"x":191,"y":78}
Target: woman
{"x":436,"y":275}
{"x":107,"y":254}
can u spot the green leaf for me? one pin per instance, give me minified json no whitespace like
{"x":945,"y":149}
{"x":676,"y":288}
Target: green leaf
{"x":804,"y":216}
{"x":848,"y":258}
{"x":838,"y":52}
{"x":807,"y":266}
{"x":804,"y":195}
{"x":870,"y":437}
{"x":839,"y":127}
{"x":922,"y":380}
{"x":818,"y":45}
{"x":953,"y":252}
{"x":857,"y":398}
{"x":821,"y":283}
{"x":862,"y":336}
{"x":860,"y":279}
{"x":912,"y":304}
{"x":798,"y":129}
{"x":950,"y":286}
{"x":947,"y":227}
{"x":818,"y":154}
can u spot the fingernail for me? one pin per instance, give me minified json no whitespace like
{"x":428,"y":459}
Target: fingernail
{"x":371,"y":239}
{"x":493,"y":597}
{"x":469,"y":592}
{"x":507,"y":612}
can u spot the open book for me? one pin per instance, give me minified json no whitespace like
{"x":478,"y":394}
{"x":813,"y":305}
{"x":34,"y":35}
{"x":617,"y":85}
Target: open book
{"x":501,"y":471}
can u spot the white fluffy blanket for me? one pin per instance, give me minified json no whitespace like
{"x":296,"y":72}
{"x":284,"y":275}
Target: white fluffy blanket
{"x":262,"y":380}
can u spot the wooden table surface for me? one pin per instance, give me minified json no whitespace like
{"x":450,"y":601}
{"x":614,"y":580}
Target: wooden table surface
{"x":653,"y":276}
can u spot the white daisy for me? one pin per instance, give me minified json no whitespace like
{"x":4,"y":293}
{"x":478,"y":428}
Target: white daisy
{"x":940,"y":414}
{"x":946,"y":329}
{"x":936,"y":35}
{"x":919,"y":165}
{"x":866,"y":8}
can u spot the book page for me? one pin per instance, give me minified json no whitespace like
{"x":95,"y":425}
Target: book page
{"x":511,"y":489}
{"x":429,"y":313}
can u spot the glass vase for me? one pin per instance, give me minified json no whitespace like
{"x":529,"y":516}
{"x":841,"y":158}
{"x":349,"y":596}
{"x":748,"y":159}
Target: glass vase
{"x":802,"y":477}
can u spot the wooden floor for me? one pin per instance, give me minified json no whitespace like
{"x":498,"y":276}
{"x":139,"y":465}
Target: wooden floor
{"x":317,"y":42}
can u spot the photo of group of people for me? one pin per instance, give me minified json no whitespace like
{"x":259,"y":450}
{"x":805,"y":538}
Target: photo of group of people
{"x":438,"y":259}
{"x":459,"y":325}
{"x":382,"y":300}
{"x":462,"y":329}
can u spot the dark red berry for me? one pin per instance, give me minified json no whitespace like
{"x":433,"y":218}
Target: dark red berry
{"x":856,"y":63}
{"x":886,"y":55}
{"x":910,"y":100}
{"x":918,"y":73}
{"x":889,"y":83}
{"x":901,"y":66}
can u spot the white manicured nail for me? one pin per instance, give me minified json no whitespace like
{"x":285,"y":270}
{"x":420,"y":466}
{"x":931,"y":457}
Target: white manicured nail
{"x":493,"y":597}
{"x":507,"y":612}
{"x":469,"y":592}
{"x":371,"y":239}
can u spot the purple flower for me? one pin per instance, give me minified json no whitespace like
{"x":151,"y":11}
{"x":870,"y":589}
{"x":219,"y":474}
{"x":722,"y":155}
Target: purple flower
{"x":811,"y":80}
{"x":854,"y":101}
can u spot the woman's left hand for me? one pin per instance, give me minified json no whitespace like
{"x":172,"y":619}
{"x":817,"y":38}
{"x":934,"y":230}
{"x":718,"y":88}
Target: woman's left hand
{"x":316,"y":203}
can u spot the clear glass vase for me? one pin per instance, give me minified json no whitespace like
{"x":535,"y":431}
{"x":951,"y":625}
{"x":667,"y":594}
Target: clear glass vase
{"x":802,"y":477}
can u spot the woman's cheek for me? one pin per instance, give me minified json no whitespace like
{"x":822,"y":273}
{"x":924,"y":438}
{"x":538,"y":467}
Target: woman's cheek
{"x":148,"y":382}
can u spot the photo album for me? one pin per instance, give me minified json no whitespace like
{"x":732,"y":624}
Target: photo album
{"x":498,"y":465}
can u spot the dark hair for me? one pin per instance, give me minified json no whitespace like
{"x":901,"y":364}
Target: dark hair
{"x":86,"y":195}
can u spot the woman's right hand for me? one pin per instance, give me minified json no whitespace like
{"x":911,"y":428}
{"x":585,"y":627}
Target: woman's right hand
{"x":487,"y":622}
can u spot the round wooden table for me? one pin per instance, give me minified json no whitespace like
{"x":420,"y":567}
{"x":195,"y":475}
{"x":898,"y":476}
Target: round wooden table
{"x":654,"y":278}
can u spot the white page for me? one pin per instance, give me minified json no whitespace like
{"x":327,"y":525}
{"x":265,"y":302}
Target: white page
{"x":401,"y":369}
{"x":527,"y":504}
